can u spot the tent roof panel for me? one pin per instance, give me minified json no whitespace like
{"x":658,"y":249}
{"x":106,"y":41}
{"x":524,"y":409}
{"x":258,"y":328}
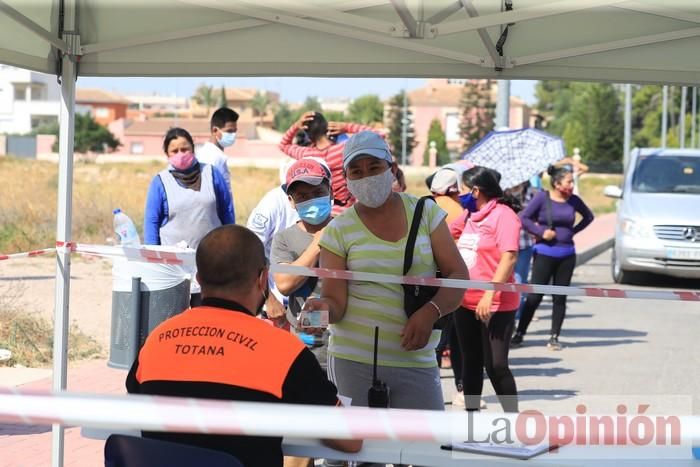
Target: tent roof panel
{"x":343,"y":38}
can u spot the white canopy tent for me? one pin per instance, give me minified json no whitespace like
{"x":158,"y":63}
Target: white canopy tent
{"x":642,"y":41}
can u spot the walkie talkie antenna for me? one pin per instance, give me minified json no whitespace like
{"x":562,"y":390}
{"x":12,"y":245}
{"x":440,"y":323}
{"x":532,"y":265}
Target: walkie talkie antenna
{"x":374,"y":365}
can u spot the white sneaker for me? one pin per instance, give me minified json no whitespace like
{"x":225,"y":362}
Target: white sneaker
{"x":458,"y":400}
{"x":482,"y":404}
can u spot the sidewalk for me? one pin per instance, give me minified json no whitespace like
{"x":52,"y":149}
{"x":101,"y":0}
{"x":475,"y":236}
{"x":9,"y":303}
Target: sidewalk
{"x":30,"y":445}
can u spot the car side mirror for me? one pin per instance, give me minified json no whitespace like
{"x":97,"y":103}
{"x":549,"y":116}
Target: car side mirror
{"x":612,"y":191}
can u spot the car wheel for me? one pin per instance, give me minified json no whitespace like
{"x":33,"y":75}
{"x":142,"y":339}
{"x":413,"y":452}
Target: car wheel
{"x":619,"y":275}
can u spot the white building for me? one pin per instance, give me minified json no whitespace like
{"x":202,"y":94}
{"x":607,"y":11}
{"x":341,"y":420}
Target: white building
{"x":27,"y":100}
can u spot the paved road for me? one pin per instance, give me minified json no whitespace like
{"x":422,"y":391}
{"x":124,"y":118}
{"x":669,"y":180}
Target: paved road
{"x":615,"y":352}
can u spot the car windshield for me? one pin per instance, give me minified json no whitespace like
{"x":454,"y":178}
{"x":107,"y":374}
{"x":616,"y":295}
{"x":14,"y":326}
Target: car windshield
{"x":667,"y":174}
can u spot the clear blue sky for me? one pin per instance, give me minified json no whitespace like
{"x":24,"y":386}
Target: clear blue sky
{"x":290,"y":89}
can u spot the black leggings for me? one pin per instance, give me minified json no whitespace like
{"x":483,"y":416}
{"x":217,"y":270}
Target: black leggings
{"x":448,"y":339}
{"x":486,"y":345}
{"x":544,"y":269}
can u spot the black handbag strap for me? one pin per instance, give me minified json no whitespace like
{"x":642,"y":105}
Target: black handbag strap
{"x":413,"y":233}
{"x":548,"y":209}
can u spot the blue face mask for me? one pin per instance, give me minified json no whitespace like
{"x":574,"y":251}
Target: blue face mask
{"x":227,"y":139}
{"x":315,"y":211}
{"x":468,"y":202}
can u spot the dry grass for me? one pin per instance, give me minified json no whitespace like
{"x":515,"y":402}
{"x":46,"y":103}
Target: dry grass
{"x":29,"y":336}
{"x":28,"y":201}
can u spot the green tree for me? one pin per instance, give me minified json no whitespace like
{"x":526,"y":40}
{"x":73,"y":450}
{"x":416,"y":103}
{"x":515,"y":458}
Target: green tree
{"x":595,"y":124}
{"x":89,"y":135}
{"x":437,"y":135}
{"x":205,"y":96}
{"x":259,"y":104}
{"x":223,"y":102}
{"x":478,"y":112}
{"x":554,"y":100}
{"x":394,"y":119}
{"x":310,"y":103}
{"x":284,"y":117}
{"x":366,"y":109}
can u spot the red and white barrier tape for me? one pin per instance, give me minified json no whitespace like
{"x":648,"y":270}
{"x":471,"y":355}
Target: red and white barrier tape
{"x":156,"y":413}
{"x":186,"y":258}
{"x":27,"y":254}
{"x":681,"y":295}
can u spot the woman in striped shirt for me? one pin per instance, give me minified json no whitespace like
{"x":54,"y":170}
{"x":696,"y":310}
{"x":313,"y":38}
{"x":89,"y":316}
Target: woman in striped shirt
{"x":323,"y":144}
{"x":371,"y":237}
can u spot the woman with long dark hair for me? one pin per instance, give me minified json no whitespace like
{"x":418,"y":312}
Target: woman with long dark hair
{"x":488,"y":235}
{"x":551,"y":217}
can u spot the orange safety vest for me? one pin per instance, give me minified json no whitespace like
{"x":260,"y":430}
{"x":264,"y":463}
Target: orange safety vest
{"x":216,"y":345}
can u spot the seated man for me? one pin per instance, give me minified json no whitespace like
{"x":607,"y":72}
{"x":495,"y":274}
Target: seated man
{"x":220,"y":350}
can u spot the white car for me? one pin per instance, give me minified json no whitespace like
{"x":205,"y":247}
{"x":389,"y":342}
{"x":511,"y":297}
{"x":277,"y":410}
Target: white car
{"x":658,"y":217}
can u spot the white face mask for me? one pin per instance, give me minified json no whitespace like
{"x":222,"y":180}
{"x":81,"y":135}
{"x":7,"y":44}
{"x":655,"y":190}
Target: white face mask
{"x":372,"y":191}
{"x":227,"y":139}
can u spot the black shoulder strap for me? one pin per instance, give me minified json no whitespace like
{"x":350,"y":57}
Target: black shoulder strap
{"x":548,"y":208}
{"x":413,"y":233}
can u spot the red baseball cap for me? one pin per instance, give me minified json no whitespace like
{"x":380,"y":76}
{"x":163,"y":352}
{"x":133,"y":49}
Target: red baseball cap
{"x":308,"y":171}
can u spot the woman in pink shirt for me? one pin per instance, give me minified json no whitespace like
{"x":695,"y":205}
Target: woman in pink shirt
{"x":487,"y":235}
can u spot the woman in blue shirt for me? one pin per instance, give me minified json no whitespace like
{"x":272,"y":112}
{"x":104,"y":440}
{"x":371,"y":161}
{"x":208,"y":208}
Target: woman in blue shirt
{"x":186,"y":200}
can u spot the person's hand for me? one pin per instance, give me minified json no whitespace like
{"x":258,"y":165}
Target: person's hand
{"x":336,"y":128}
{"x":549,"y":234}
{"x":483,"y":308}
{"x":416,"y":333}
{"x":274,"y":309}
{"x":305,"y":118}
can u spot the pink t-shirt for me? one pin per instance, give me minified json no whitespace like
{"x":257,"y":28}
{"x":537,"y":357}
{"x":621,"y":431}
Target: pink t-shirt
{"x":481,"y":239}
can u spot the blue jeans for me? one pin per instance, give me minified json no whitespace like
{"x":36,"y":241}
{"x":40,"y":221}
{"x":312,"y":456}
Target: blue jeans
{"x":522,"y":272}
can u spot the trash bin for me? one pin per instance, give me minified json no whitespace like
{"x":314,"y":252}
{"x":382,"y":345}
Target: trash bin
{"x":163,"y":291}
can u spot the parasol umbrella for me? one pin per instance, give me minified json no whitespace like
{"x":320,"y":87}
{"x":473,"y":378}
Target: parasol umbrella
{"x":516,"y":154}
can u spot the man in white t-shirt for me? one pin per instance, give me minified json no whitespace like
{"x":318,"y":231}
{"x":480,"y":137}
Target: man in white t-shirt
{"x":273,"y":214}
{"x":224,"y":125}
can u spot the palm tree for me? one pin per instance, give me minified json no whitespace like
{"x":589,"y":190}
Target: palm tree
{"x":259,"y":104}
{"x":205,"y":96}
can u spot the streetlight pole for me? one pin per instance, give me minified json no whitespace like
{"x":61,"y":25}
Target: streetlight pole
{"x":628,"y":125}
{"x":664,"y":117}
{"x":404,"y":128}
{"x":693,"y":117}
{"x":503,"y":104}
{"x":681,"y":125}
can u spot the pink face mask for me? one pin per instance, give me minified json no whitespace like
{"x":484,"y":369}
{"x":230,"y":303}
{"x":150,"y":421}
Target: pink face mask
{"x":181,"y":160}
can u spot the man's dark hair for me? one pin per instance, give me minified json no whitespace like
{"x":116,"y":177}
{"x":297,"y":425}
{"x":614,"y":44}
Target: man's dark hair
{"x":317,"y":127}
{"x":222,"y":116}
{"x":229,"y":257}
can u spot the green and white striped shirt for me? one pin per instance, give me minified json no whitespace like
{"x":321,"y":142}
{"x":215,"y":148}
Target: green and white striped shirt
{"x":373,"y":304}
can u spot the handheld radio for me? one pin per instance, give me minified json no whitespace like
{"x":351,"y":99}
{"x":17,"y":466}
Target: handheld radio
{"x":378,"y":394}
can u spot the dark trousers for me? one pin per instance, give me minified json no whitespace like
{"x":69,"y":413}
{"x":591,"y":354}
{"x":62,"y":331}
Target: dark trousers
{"x":448,"y":339}
{"x":544,"y":270}
{"x":486,"y":345}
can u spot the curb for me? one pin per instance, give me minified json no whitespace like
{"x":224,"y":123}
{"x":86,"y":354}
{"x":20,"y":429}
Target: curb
{"x":590,"y":253}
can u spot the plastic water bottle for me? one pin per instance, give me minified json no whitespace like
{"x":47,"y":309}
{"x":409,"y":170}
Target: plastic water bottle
{"x":125,"y":229}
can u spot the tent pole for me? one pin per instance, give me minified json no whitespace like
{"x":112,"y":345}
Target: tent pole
{"x":63,"y":234}
{"x":64,"y":213}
